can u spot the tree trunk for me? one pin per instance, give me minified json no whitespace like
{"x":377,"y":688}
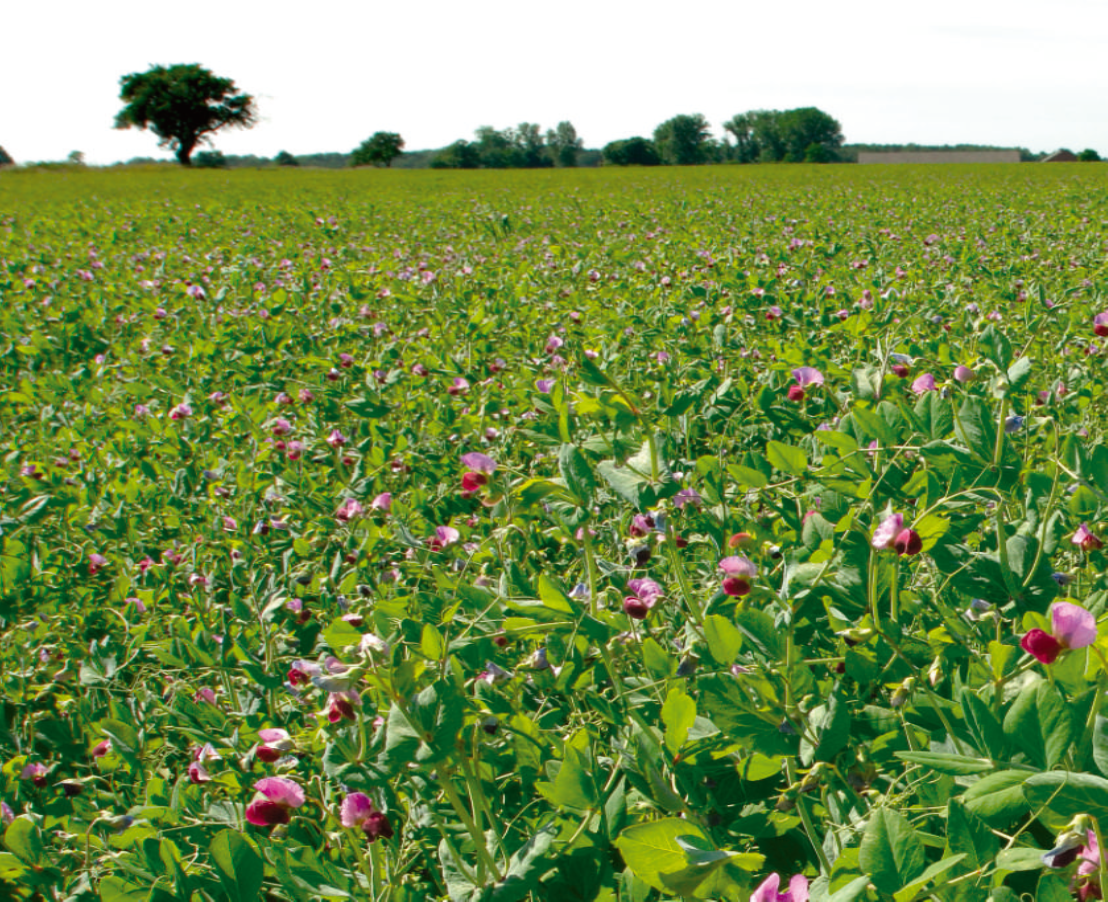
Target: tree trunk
{"x":185,"y":147}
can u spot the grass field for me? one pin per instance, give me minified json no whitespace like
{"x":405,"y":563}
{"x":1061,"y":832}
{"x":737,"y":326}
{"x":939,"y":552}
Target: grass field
{"x":560,"y":535}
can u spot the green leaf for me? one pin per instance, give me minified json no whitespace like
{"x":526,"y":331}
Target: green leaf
{"x":657,"y":660}
{"x":787,"y":458}
{"x":1100,"y":744}
{"x":724,"y":641}
{"x":1019,"y":859}
{"x":669,"y":855}
{"x":1019,"y":372}
{"x":679,"y":715}
{"x":341,"y":634}
{"x":830,"y":723}
{"x":985,"y":726}
{"x":577,"y":473}
{"x":939,"y":868}
{"x":365,"y":407}
{"x":24,"y":838}
{"x":977,"y":428}
{"x":996,"y":346}
{"x":527,"y":866}
{"x":1068,"y":794}
{"x":116,"y":889}
{"x":967,"y":834}
{"x":853,"y":890}
{"x":629,"y":485}
{"x":891,"y":851}
{"x":552,"y":596}
{"x":1040,"y":724}
{"x":1052,"y":888}
{"x":958,"y":765}
{"x":240,"y":868}
{"x":723,"y":699}
{"x":998,"y":796}
{"x":573,"y":785}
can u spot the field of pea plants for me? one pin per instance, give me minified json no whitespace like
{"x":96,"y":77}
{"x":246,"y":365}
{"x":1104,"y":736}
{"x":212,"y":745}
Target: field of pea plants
{"x":608,"y":536}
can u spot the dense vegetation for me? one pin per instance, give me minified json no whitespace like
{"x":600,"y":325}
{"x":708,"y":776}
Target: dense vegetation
{"x":633,"y":534}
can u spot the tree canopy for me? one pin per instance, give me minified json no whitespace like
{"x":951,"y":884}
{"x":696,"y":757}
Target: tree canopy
{"x":804,"y":135}
{"x":635,"y":151}
{"x":521,"y":147}
{"x":380,"y":149}
{"x":684,"y":140}
{"x":5,"y":160}
{"x":183,"y":105}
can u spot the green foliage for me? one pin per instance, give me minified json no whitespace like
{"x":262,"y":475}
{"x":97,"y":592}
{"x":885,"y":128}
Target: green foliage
{"x":684,"y":140}
{"x":284,"y":158}
{"x":631,"y":152}
{"x":209,"y":159}
{"x":385,"y":464}
{"x":380,"y":149}
{"x":805,"y":135}
{"x":183,"y":105}
{"x":1088,"y":156}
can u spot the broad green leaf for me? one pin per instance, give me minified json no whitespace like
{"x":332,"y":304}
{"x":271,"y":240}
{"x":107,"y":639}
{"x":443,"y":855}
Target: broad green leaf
{"x":526,"y":868}
{"x":240,"y":868}
{"x":967,"y":834}
{"x":24,"y":838}
{"x":1039,"y":723}
{"x":552,"y":596}
{"x":891,"y":851}
{"x":669,"y":855}
{"x":724,"y":640}
{"x":787,"y":458}
{"x":679,"y":715}
{"x":577,"y":473}
{"x":998,"y":797}
{"x":1068,"y":794}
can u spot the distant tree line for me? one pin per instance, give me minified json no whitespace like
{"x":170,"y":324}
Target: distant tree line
{"x":525,"y":146}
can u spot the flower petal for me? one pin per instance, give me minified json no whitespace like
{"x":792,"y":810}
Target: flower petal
{"x":1073,"y":626}
{"x":281,"y":791}
{"x":356,"y":807}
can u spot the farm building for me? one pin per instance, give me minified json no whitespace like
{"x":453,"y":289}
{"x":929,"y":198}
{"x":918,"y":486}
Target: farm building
{"x":5,"y":160}
{"x":941,"y":156}
{"x":1061,"y":156}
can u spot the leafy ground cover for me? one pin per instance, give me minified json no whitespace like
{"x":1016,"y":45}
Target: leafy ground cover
{"x":638,"y":535}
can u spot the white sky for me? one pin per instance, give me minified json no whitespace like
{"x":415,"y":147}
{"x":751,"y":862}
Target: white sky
{"x":329,"y":73}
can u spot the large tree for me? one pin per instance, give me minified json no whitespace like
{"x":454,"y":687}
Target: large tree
{"x":684,"y":140}
{"x":564,"y":144}
{"x":635,"y":151}
{"x":183,"y":105}
{"x":793,"y":136}
{"x":380,"y":149}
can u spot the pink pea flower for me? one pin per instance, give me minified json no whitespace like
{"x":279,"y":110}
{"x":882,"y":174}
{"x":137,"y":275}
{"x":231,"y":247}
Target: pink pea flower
{"x":180,"y":412}
{"x":444,"y":536}
{"x":294,"y":450}
{"x":1100,"y":325}
{"x":645,"y":593}
{"x":305,"y":395}
{"x":96,"y":563}
{"x":336,"y":439}
{"x":807,"y":375}
{"x":341,"y":705}
{"x":230,"y":524}
{"x":1071,"y":627}
{"x":102,"y":748}
{"x":553,"y":343}
{"x":274,"y":801}
{"x":198,"y":773}
{"x":381,"y":503}
{"x":36,"y":773}
{"x":1086,"y":539}
{"x":358,"y":811}
{"x":281,"y":426}
{"x":885,"y":534}
{"x":774,"y":312}
{"x":546,"y":386}
{"x":687,"y":496}
{"x":205,"y":695}
{"x":767,"y":890}
{"x":740,"y":573}
{"x":274,"y":744}
{"x":459,"y":386}
{"x":137,"y":603}
{"x":924,"y":383}
{"x":964,"y":374}
{"x":346,"y":361}
{"x":349,"y":510}
{"x":283,"y":398}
